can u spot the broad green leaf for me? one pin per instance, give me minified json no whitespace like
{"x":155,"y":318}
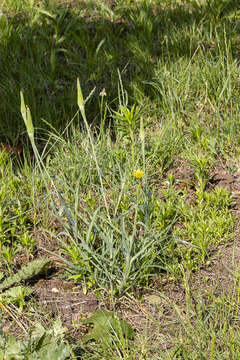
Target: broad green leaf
{"x":105,"y":324}
{"x":27,"y":272}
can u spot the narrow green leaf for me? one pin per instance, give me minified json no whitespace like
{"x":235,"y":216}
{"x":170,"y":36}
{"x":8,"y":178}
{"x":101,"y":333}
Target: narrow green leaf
{"x":26,"y":114}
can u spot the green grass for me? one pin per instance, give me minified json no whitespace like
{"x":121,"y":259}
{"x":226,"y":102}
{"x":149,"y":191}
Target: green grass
{"x":158,"y":93}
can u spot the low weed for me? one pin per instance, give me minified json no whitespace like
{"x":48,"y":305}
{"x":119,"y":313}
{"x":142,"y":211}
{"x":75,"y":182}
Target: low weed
{"x":41,"y":344}
{"x":15,"y":218}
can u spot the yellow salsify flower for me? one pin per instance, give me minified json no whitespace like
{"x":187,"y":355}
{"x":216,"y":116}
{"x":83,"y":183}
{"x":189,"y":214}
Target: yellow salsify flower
{"x":138,"y":173}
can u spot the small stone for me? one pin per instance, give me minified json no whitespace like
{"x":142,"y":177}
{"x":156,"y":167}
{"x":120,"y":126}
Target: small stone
{"x":154,"y":299}
{"x":55,"y":290}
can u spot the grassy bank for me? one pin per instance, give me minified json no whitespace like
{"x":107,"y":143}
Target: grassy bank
{"x":119,"y":192}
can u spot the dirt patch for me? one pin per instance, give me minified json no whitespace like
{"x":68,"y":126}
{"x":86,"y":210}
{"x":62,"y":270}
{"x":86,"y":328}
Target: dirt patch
{"x":63,"y":299}
{"x":183,"y":174}
{"x":222,"y":178}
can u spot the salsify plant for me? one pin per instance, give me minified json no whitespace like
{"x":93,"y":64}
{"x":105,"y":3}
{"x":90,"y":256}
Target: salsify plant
{"x":109,"y":250}
{"x":112,"y":255}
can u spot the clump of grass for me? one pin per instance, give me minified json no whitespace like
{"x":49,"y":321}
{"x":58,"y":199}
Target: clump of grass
{"x":117,"y":244}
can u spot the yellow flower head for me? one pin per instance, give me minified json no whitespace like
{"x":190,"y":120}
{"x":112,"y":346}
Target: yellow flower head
{"x":138,"y":173}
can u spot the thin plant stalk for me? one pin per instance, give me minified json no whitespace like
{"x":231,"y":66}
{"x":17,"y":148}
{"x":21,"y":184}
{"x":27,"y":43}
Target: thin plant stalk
{"x":81,"y":106}
{"x":26,"y":114}
{"x":142,"y":139}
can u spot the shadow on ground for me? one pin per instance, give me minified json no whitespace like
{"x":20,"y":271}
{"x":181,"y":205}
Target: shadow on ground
{"x":43,"y":51}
